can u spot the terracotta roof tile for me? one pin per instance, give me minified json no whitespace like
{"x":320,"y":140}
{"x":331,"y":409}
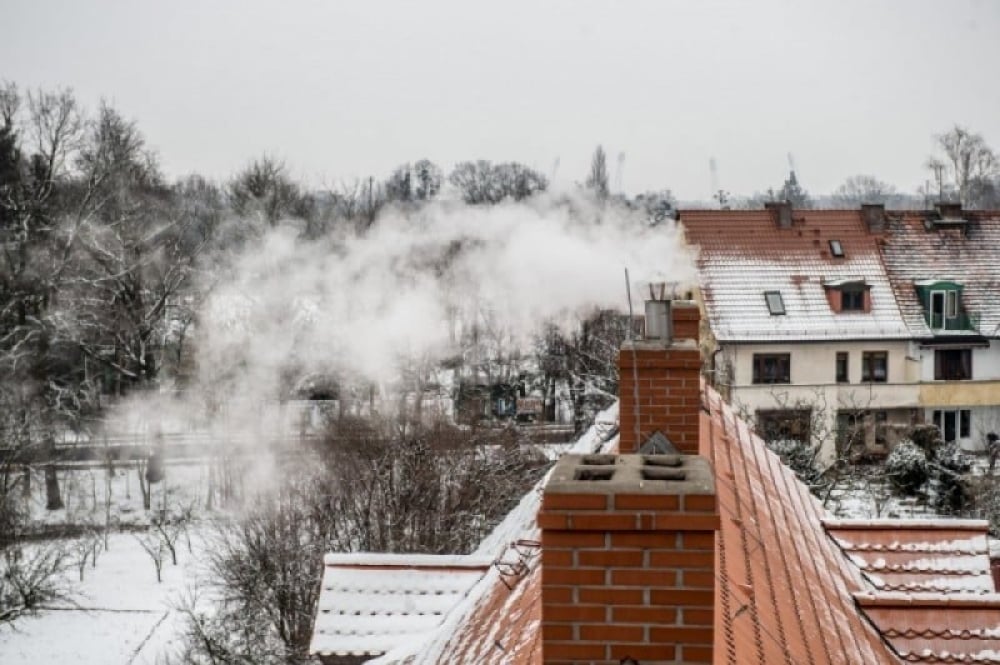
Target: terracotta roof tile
{"x":946,"y":556}
{"x":743,"y":253}
{"x":933,"y":628}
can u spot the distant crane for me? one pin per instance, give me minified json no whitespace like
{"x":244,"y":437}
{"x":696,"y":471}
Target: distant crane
{"x":555,"y":169}
{"x":713,"y":176}
{"x":718,"y":194}
{"x":621,"y":169}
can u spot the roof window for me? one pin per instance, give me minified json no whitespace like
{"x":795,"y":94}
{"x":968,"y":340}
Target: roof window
{"x":836,"y":249}
{"x":775,"y":304}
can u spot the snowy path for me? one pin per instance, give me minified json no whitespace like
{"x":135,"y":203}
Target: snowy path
{"x":124,"y":616}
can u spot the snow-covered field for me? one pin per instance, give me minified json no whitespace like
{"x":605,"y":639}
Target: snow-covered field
{"x":119,"y":614}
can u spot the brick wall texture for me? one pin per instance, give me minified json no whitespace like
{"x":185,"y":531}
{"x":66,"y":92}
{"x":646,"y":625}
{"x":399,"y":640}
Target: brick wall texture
{"x":628,"y":576}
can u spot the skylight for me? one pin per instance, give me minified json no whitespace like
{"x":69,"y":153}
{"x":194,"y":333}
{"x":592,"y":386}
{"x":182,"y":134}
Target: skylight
{"x":775,"y":304}
{"x":836,"y":248}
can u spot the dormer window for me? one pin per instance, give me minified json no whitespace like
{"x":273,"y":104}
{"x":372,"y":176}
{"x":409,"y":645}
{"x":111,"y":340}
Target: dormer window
{"x":775,"y":304}
{"x":848,"y":295}
{"x":942,"y":301}
{"x":836,"y":249}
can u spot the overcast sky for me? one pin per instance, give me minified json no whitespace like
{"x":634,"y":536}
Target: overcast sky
{"x":340,"y":89}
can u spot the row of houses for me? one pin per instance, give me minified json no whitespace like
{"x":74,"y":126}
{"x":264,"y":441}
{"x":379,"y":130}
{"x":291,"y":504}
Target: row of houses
{"x":850,"y":326}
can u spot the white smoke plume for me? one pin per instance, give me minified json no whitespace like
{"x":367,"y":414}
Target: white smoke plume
{"x":357,"y":305}
{"x":360,"y":304}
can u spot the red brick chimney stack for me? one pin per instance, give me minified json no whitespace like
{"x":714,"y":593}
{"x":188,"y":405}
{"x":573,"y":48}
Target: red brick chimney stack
{"x":781,"y":213}
{"x":666,"y":375}
{"x":628,"y":560}
{"x":873,"y":215}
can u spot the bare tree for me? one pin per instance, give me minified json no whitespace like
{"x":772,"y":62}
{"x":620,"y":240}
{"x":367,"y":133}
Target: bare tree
{"x":153,"y":545}
{"x":972,"y":167}
{"x":264,"y":188}
{"x":860,"y":189}
{"x":597,"y":179}
{"x":420,"y":181}
{"x":375,"y":486}
{"x":28,"y":579}
{"x":483,"y":182}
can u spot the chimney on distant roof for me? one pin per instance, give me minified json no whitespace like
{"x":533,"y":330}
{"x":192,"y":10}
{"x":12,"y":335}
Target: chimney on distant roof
{"x":873,"y":215}
{"x":949,"y":209}
{"x":659,"y":379}
{"x":781,"y":213}
{"x":628,"y":560}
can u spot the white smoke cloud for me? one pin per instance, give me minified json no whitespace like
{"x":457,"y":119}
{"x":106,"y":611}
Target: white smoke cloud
{"x":285,"y":307}
{"x":358,"y":304}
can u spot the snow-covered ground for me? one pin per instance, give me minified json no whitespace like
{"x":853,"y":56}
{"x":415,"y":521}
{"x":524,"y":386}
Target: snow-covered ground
{"x":119,"y":614}
{"x":84,"y":489}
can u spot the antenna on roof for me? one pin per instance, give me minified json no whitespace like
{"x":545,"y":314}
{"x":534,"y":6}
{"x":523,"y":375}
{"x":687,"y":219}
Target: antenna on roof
{"x":635,"y":365}
{"x":628,"y":296}
{"x":713,"y":177}
{"x":555,"y":169}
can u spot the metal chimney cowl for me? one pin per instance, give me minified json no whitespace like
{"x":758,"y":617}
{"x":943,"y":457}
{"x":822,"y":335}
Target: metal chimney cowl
{"x":659,"y":325}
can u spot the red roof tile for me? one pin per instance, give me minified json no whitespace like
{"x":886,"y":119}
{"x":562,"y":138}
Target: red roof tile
{"x":940,"y":556}
{"x":931,"y":628}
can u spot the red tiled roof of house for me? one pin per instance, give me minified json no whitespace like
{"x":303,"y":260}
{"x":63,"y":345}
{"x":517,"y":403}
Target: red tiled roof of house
{"x":744,"y":253}
{"x":793,"y":585}
{"x":785,"y":591}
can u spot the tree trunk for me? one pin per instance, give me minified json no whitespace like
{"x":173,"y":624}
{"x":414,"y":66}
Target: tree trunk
{"x":53,"y":500}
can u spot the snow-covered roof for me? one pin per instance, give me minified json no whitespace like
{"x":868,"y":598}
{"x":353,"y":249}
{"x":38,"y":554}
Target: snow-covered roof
{"x":743,"y":253}
{"x":934,"y":556}
{"x":917,"y":255}
{"x":371,"y":603}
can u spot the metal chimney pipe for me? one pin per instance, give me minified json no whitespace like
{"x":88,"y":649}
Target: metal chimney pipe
{"x":659,"y":325}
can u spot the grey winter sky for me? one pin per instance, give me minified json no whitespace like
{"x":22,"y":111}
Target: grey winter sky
{"x":340,"y":89}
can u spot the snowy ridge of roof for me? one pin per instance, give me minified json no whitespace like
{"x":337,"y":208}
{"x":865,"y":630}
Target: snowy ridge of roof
{"x":405,"y":560}
{"x":917,"y":524}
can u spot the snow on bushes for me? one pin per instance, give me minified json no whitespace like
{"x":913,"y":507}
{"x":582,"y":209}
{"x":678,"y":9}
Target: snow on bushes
{"x":907,"y":467}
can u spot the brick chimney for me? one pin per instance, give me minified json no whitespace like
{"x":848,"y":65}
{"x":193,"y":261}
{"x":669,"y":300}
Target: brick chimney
{"x":628,"y":560}
{"x":873,"y":215}
{"x":664,"y":371}
{"x":781,"y":213}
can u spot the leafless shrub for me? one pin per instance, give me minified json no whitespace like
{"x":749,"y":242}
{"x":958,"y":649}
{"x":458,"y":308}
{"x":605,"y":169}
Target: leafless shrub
{"x":372,"y":486}
{"x":30,"y":577}
{"x":152,"y":543}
